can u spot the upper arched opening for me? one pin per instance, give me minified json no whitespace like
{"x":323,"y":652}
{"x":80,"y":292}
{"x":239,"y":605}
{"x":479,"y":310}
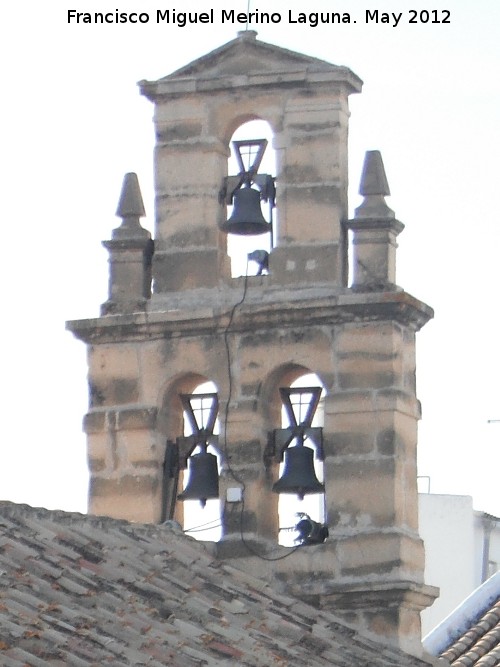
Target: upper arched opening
{"x":252,"y":152}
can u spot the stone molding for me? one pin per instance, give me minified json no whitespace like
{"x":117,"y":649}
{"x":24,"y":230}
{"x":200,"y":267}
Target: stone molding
{"x":399,"y":307}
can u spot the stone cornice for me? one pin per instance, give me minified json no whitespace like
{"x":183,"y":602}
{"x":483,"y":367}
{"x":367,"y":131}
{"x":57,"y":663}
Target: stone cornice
{"x":255,"y":314}
{"x":163,"y":89}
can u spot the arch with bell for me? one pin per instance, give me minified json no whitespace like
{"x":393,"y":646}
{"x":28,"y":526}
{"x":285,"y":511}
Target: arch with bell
{"x":189,"y":416}
{"x":289,"y":466}
{"x":249,"y":195}
{"x":193,"y":183}
{"x":295,"y":451}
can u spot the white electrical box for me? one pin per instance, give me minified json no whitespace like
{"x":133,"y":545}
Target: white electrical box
{"x":234,"y":494}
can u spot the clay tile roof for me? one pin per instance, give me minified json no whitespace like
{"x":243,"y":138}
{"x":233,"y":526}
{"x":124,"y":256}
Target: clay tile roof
{"x":84,"y":591}
{"x":479,"y":646}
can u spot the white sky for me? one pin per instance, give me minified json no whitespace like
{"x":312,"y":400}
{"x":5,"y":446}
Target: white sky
{"x":73,"y":123}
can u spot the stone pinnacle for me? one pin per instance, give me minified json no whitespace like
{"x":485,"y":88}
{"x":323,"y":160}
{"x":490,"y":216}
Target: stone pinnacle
{"x":374,"y":188}
{"x":130,"y":204}
{"x":130,"y":209}
{"x":373,"y":178}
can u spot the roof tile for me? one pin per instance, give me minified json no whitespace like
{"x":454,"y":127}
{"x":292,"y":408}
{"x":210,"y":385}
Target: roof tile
{"x":84,"y":591}
{"x":479,"y":646}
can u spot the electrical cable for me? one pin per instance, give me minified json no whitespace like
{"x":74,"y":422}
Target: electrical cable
{"x":202,"y":525}
{"x":233,"y":474}
{"x":201,"y":530}
{"x":230,"y":378}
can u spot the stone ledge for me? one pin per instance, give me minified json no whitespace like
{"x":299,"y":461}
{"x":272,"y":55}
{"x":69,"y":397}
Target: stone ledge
{"x":163,"y":89}
{"x":135,"y":418}
{"x":361,"y":595}
{"x":365,"y":401}
{"x":210,"y":318}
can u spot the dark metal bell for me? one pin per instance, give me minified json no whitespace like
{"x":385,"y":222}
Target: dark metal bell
{"x":203,"y":482}
{"x":246,"y":218}
{"x":299,"y":475}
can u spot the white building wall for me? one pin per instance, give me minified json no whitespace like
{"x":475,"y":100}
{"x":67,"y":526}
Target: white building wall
{"x":487,"y":546}
{"x":447,"y":529}
{"x":458,"y":554}
{"x":495,"y":549}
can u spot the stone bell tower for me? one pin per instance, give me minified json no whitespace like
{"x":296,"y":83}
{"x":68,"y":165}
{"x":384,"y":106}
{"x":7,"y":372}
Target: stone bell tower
{"x":253,"y":336}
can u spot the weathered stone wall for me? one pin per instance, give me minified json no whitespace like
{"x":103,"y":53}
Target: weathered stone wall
{"x":367,"y":366}
{"x":190,"y":169}
{"x":195,"y":117}
{"x":367,"y":369}
{"x":300,"y":318}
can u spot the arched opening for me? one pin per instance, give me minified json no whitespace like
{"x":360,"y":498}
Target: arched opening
{"x":290,"y":507}
{"x":201,"y":522}
{"x":239,"y":247}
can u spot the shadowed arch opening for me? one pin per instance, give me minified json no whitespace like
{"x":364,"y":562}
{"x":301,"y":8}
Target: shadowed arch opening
{"x":290,"y":506}
{"x":201,"y":522}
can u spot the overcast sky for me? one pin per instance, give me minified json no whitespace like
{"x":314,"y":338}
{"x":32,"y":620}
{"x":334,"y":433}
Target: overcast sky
{"x":73,"y":123}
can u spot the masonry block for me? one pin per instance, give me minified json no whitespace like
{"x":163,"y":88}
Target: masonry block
{"x":307,"y":264}
{"x":380,"y":555}
{"x":118,"y":360}
{"x":138,"y":449}
{"x":131,"y":497}
{"x":361,"y":492}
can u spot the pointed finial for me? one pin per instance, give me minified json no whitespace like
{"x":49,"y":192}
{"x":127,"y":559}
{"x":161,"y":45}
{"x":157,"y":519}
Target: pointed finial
{"x":373,"y":178}
{"x":130,"y":209}
{"x":130,"y":203}
{"x":374,"y":188}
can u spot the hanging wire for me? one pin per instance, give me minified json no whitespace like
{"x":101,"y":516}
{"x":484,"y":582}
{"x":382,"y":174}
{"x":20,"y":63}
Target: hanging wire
{"x":202,"y":530}
{"x":204,"y":526}
{"x":230,"y":376}
{"x":233,"y":474}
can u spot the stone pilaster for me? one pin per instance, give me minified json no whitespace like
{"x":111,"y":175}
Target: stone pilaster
{"x":125,"y":463}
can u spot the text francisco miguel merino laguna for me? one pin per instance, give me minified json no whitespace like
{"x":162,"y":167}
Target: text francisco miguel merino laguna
{"x":182,"y":19}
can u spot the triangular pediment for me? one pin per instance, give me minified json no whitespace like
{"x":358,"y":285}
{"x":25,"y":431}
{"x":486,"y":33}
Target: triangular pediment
{"x":247,"y":55}
{"x":246,"y":61}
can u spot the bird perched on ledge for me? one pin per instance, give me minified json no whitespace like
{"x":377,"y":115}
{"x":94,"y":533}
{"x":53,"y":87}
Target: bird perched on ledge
{"x":262,"y":259}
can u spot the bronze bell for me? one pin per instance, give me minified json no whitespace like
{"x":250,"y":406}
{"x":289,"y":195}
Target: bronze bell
{"x":203,"y":482}
{"x":299,"y":475}
{"x":246,"y":218}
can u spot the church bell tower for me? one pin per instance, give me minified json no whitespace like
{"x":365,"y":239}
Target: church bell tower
{"x":176,"y":318}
